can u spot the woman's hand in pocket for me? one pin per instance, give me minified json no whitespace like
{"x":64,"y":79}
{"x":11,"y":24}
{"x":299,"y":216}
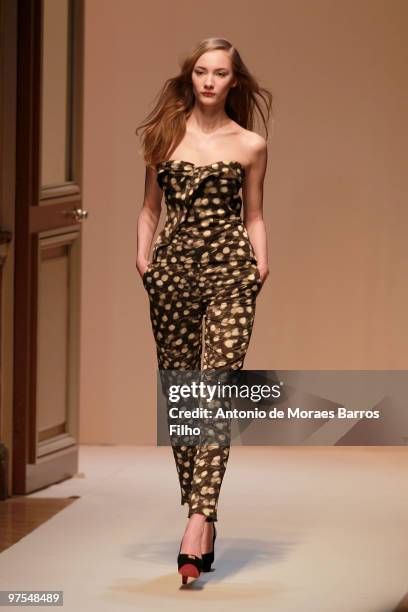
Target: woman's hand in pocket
{"x":263,"y":272}
{"x":142,"y":266}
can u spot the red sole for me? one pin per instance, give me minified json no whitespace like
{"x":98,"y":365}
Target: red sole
{"x":188,"y":571}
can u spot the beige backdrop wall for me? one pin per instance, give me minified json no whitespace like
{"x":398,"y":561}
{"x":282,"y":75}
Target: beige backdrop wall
{"x":335,"y":193}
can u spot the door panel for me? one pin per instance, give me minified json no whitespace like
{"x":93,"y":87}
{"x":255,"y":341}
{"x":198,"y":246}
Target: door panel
{"x":57,"y":342}
{"x":55,"y":103}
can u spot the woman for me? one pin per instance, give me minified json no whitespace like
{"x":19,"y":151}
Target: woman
{"x":208,"y":265}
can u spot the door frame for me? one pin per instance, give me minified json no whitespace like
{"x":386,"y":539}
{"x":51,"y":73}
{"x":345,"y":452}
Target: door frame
{"x":8,"y":85}
{"x":37,"y":212}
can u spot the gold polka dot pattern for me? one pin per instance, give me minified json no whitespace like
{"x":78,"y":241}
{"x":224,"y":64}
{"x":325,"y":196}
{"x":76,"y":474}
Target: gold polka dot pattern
{"x":203,"y":278}
{"x":203,"y":221}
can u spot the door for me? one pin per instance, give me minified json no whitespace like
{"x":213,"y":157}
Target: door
{"x":48,"y":218}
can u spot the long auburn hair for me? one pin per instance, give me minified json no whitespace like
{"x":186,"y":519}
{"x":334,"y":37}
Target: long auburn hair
{"x":165,"y":126}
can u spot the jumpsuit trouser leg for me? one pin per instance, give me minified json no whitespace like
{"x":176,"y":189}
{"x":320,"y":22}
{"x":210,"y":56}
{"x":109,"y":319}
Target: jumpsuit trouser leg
{"x":219,"y":301}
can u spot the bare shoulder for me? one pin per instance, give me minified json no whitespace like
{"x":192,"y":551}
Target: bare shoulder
{"x":254,"y":146}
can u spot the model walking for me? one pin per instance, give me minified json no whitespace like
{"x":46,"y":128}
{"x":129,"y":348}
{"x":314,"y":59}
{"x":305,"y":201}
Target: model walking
{"x":208,"y":265}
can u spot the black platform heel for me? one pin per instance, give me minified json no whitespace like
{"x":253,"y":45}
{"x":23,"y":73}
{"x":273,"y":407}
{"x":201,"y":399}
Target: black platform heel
{"x":208,"y":558}
{"x":189,"y":566}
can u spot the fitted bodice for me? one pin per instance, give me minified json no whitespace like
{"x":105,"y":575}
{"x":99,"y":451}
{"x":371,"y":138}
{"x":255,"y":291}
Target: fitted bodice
{"x":203,"y":221}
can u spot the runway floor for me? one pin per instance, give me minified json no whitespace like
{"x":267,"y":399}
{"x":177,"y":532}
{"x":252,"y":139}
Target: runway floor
{"x":299,"y":529}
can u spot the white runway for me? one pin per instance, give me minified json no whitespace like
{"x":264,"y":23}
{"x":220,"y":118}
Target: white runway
{"x":299,"y":529}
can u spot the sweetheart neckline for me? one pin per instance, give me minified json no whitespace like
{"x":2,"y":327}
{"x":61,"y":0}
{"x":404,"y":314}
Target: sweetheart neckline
{"x":220,"y":161}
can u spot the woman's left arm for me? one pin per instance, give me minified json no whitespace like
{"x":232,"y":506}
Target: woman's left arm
{"x":252,"y":191}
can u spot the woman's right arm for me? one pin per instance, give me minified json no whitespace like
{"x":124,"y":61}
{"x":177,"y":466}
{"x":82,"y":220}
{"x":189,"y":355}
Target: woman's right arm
{"x":148,"y":219}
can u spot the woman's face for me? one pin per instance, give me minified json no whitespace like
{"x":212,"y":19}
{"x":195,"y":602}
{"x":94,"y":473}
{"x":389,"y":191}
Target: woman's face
{"x":213,"y":74}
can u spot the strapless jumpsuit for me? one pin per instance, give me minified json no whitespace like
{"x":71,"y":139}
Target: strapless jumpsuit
{"x":202,"y":279}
